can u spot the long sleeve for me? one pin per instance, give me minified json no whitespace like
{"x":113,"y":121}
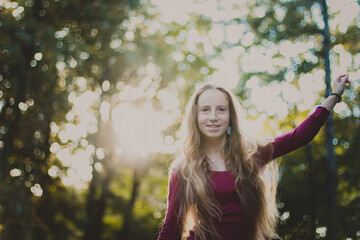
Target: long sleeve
{"x":171,"y":229}
{"x":302,"y":134}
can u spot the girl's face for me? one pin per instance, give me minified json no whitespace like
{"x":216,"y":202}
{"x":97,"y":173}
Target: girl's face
{"x":213,"y":114}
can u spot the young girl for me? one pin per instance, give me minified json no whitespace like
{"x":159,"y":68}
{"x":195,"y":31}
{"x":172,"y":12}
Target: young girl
{"x":223,"y":181}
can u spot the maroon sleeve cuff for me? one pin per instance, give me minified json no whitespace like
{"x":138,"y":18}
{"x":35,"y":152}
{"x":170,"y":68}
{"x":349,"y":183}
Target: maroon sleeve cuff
{"x":321,"y":114}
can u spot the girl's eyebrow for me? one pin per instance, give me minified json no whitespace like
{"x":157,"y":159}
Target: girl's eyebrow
{"x":207,"y":106}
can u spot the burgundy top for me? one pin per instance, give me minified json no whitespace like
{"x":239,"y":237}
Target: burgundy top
{"x":232,"y":222}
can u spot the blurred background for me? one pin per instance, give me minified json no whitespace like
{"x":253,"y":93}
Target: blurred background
{"x":92,"y":93}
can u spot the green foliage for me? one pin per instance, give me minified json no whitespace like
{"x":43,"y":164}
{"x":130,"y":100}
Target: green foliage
{"x":307,"y":203}
{"x":52,"y":53}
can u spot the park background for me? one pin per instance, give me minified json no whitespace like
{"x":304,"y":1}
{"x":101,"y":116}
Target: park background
{"x":92,"y":93}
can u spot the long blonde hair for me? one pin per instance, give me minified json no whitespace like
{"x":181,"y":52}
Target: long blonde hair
{"x":244,"y":156}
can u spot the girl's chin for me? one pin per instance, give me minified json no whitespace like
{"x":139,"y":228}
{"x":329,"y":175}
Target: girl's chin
{"x":214,"y":135}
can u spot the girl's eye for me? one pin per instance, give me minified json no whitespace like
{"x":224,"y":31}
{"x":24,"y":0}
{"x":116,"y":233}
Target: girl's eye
{"x":222,"y":109}
{"x":204,"y":110}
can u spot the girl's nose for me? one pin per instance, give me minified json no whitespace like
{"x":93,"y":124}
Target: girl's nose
{"x":213,"y":116}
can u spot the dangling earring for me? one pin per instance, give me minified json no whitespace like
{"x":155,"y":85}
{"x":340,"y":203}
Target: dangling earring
{"x":229,"y":130}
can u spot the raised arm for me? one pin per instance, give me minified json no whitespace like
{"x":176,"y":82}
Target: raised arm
{"x":302,"y":134}
{"x":172,"y":228}
{"x":307,"y":130}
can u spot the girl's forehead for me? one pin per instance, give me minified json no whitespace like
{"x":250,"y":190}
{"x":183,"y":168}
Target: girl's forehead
{"x":213,"y":97}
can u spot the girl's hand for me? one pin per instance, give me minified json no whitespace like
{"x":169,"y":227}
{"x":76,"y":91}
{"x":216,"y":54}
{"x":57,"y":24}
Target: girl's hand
{"x":340,"y":83}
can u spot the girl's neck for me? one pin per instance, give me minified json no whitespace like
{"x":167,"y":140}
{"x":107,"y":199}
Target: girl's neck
{"x":214,"y":155}
{"x":213,"y":147}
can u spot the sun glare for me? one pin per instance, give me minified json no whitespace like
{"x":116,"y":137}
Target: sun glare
{"x":139,"y":129}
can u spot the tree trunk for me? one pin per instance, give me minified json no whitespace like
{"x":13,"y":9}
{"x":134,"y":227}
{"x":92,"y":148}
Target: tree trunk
{"x":128,"y":217}
{"x":312,"y":192}
{"x":95,"y":210}
{"x":101,"y":206}
{"x":91,"y":207}
{"x":329,"y":131}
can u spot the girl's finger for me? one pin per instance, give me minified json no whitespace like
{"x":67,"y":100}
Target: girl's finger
{"x":347,"y":79}
{"x":341,"y":76}
{"x":344,"y":78}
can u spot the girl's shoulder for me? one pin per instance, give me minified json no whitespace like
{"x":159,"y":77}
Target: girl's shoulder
{"x":175,"y":170}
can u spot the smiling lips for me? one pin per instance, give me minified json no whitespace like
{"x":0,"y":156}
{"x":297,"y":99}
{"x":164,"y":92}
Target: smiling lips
{"x":213,"y":126}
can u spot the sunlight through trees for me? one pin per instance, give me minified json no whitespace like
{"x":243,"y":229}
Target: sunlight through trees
{"x":92,"y":94}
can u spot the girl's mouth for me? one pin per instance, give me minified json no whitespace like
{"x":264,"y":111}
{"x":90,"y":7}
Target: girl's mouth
{"x":213,"y":126}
